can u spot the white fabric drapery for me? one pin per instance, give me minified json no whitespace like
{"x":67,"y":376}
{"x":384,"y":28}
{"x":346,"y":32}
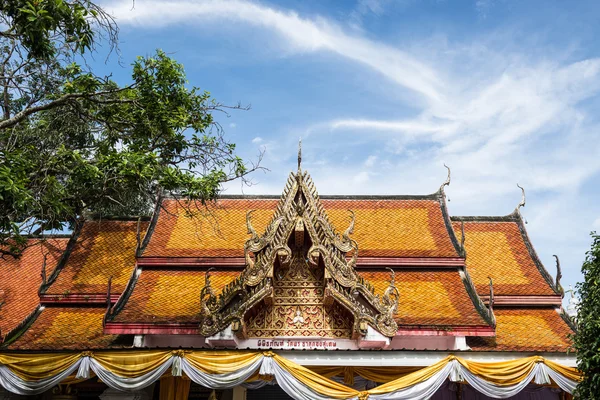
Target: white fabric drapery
{"x":268,"y":365}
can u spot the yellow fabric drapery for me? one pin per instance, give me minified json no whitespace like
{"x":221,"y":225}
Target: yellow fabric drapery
{"x":315,"y":381}
{"x":36,"y":366}
{"x":568,"y":372}
{"x":411,"y":379}
{"x":174,"y":388}
{"x":135,"y":363}
{"x":502,"y":373}
{"x":375,"y":374}
{"x":132,"y":364}
{"x":221,"y":362}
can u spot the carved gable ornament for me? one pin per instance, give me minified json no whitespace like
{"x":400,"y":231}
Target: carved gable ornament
{"x":300,"y":279}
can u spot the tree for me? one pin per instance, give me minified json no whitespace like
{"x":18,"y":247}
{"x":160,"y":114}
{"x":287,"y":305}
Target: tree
{"x":73,"y":143}
{"x":587,"y":338}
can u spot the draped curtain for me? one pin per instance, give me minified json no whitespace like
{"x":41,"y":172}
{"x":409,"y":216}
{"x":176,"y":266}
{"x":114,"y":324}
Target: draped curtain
{"x":29,"y":374}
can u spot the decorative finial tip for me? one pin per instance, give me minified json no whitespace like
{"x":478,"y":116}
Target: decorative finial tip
{"x":522,"y":203}
{"x":447,"y":181}
{"x":299,"y":154}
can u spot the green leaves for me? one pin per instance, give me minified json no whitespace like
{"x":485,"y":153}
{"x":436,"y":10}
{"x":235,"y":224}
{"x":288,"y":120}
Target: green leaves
{"x":587,"y":338}
{"x":74,"y":144}
{"x":41,"y":25}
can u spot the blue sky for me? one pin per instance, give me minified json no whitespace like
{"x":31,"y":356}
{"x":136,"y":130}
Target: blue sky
{"x":384,"y":92}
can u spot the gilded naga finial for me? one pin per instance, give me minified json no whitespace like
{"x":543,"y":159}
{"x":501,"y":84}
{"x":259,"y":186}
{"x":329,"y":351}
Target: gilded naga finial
{"x":522,"y":203}
{"x":447,"y":181}
{"x":300,"y":155}
{"x":557,"y":284}
{"x":251,"y":230}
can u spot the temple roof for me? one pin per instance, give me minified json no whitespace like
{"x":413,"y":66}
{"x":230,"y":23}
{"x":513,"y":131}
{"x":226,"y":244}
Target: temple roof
{"x":399,"y":267}
{"x":498,"y":247}
{"x":104,"y":249}
{"x":526,"y":329}
{"x":429,"y":297}
{"x":21,"y":279}
{"x":163,"y":296}
{"x":65,"y":328}
{"x":399,"y":226}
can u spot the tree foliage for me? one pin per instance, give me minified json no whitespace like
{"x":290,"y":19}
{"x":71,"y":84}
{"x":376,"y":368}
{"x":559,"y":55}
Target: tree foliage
{"x":73,"y":143}
{"x":587,"y":338}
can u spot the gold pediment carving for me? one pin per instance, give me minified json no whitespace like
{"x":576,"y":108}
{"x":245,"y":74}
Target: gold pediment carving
{"x":300,"y":278}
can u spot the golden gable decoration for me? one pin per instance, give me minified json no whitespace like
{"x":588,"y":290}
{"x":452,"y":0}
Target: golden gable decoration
{"x":300,"y":241}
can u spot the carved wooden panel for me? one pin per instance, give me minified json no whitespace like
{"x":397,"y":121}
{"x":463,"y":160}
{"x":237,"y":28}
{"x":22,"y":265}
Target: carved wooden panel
{"x":297,"y":309}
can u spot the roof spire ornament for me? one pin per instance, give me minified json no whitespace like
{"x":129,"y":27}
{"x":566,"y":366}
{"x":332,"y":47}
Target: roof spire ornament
{"x":446,"y":182}
{"x":300,"y":155}
{"x":522,"y":203}
{"x":557,"y":284}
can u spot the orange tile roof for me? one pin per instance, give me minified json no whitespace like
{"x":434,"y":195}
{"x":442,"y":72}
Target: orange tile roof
{"x":429,"y":297}
{"x":497,"y":249}
{"x":170,"y":296}
{"x":104,"y":249}
{"x":20,"y":279}
{"x":67,"y":328}
{"x":384,"y":227}
{"x":526,"y":329}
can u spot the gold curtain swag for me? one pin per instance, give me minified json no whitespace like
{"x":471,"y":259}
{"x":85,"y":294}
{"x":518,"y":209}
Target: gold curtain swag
{"x":131,"y":364}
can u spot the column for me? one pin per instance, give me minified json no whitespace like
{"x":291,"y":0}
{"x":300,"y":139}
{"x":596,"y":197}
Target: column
{"x":239,"y":393}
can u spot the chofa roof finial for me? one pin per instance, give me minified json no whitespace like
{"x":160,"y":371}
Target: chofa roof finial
{"x":522,"y":203}
{"x":447,"y":181}
{"x":557,"y":284}
{"x":300,"y":155}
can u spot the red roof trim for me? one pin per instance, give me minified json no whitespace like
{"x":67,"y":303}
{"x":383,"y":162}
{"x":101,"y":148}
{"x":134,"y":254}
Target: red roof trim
{"x":149,"y":329}
{"x":447,"y":331}
{"x":77,"y":298}
{"x":204,"y":262}
{"x":524,"y":300}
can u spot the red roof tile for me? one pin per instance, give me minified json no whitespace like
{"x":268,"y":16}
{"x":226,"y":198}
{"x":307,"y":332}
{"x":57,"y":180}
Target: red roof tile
{"x":20,"y":279}
{"x":103,"y":249}
{"x":164,"y":296}
{"x":526,"y":329}
{"x":383,"y":228}
{"x":497,"y":249}
{"x":57,"y":328}
{"x":429,"y":297}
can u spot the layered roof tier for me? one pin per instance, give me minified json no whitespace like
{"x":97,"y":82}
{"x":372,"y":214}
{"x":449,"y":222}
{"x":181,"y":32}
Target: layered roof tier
{"x":158,"y":272}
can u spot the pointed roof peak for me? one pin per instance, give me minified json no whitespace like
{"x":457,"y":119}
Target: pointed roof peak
{"x":300,"y":156}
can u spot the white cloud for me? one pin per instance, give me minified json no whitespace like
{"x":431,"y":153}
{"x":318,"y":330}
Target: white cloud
{"x":370,"y":161}
{"x":596,"y":224}
{"x":301,"y":34}
{"x":495,"y":116}
{"x":361,"y":177}
{"x":232,"y":125}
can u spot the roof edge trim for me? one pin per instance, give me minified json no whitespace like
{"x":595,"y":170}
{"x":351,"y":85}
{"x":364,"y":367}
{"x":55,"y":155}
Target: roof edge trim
{"x":64,"y":257}
{"x":20,"y":329}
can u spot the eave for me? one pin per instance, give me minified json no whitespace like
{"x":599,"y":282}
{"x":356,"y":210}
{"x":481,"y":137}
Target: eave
{"x":524,"y":300}
{"x":144,"y":328}
{"x":77,"y":298}
{"x":481,"y":330}
{"x":239,"y":262}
